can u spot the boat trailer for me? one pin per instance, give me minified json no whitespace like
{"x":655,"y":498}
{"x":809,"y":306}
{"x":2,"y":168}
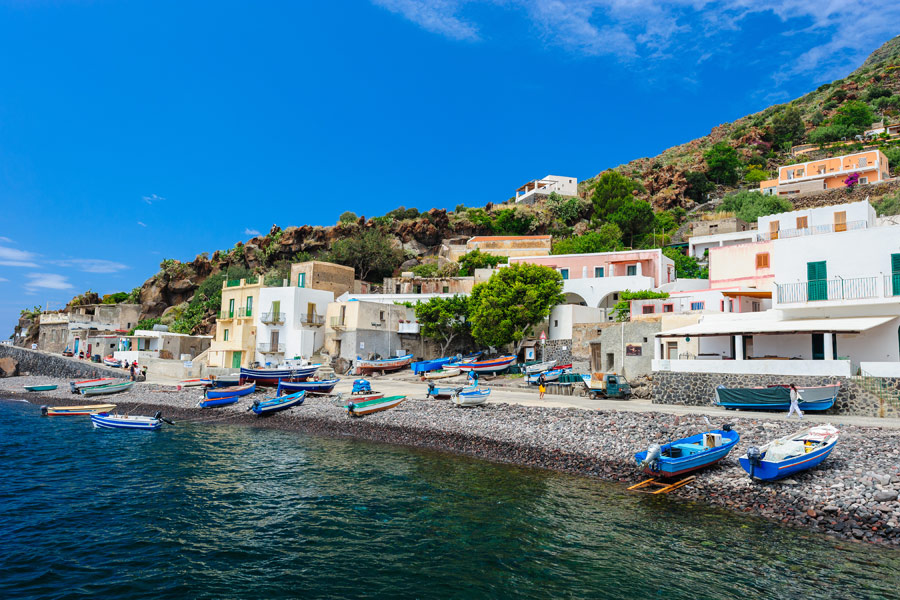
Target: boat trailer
{"x":663,"y":487}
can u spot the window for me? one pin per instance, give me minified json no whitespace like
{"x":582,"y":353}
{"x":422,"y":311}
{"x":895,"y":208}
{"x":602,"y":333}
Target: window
{"x":755,"y":307}
{"x":381,"y":316}
{"x":225,"y":334}
{"x":697,"y":305}
{"x":800,"y":172}
{"x":802,"y":222}
{"x":648,"y":309}
{"x":790,"y":173}
{"x":864,"y":180}
{"x":668,"y":308}
{"x":417,"y":288}
{"x":863,"y":161}
{"x":397,"y":289}
{"x":301,"y":279}
{"x":556,"y":322}
{"x":598,"y":271}
{"x":446,"y":289}
{"x":249,"y":305}
{"x":821,"y":170}
{"x":762,"y":260}
{"x":631,"y":270}
{"x":564,"y":273}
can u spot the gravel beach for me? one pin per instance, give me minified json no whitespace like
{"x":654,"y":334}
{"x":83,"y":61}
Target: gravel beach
{"x":854,"y":494}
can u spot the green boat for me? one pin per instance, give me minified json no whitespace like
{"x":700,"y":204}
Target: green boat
{"x":358,"y":409}
{"x":39,"y":388}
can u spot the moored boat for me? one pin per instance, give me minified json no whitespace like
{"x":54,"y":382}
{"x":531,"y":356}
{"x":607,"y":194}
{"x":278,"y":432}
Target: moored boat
{"x":217,"y":402}
{"x":273,"y":376}
{"x":443,"y":373}
{"x":226,"y":380}
{"x":384,"y":364}
{"x":237,"y":390}
{"x":75,"y":386}
{"x":777,"y":397}
{"x":475,"y":397}
{"x":317,"y":387}
{"x":424,"y":366}
{"x":790,"y":454}
{"x":110,"y":388}
{"x":687,"y":454}
{"x":494,"y":365}
{"x":108,"y":421}
{"x":68,"y":411}
{"x":273,"y":405}
{"x":39,"y":388}
{"x":358,"y":408}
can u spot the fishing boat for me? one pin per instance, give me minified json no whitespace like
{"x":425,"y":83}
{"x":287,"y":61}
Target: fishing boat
{"x":238,"y":390}
{"x":217,"y":402}
{"x":443,"y":373}
{"x":447,"y":391}
{"x":540,"y":367}
{"x":552,"y":375}
{"x":366,"y":397}
{"x":273,"y":405}
{"x":109,"y":361}
{"x":108,"y":421}
{"x":110,"y":388}
{"x":226,"y":380}
{"x":193,"y":383}
{"x":777,"y":397}
{"x":687,"y":454}
{"x":75,"y":386}
{"x":358,"y":408}
{"x":494,"y":365}
{"x":385,"y":364}
{"x":316,"y":387}
{"x":475,"y":397}
{"x":39,"y":388}
{"x":790,"y":454}
{"x":424,"y":366}
{"x":273,"y":376}
{"x":70,"y":411}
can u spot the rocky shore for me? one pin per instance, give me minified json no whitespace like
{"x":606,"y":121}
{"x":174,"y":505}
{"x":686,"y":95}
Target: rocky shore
{"x":854,"y":494}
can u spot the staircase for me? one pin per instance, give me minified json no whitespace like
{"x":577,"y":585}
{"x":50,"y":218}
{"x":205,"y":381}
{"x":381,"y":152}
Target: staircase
{"x":882,"y":388}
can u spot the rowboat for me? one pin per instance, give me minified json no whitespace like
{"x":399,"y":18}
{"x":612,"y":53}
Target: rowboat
{"x":194,"y":383}
{"x":791,"y":454}
{"x":540,"y":367}
{"x":237,"y":390}
{"x":216,"y":402}
{"x":366,"y":397}
{"x":777,"y":397}
{"x":447,"y":391}
{"x":317,"y":387}
{"x":109,"y":361}
{"x":67,"y":411}
{"x":443,"y":373}
{"x":75,"y":386}
{"x":687,"y":454}
{"x":273,"y":376}
{"x":358,"y":409}
{"x":273,"y":405}
{"x":108,"y":421}
{"x":39,"y":388}
{"x":385,"y":364}
{"x":475,"y":397}
{"x":494,"y":365}
{"x":111,"y":388}
{"x":424,"y":366}
{"x":226,"y":380}
{"x":552,"y":375}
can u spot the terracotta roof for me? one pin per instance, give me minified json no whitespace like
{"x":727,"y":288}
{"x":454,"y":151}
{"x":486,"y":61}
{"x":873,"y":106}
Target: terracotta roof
{"x":503,"y":238}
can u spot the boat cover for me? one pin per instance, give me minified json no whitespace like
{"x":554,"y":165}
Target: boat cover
{"x":773,"y":395}
{"x":779,"y":451}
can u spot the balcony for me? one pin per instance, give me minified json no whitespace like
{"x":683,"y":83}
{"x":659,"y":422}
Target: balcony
{"x":314,"y":320}
{"x":814,"y":230}
{"x":860,"y":288}
{"x":337,"y":323}
{"x":408,"y":327}
{"x":272,"y":318}
{"x":244,"y":313}
{"x":271,"y":348}
{"x":226,"y":315}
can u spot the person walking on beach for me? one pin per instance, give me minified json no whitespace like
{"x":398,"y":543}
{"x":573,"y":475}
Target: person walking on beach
{"x":795,"y":402}
{"x":131,"y":370}
{"x":541,"y":387}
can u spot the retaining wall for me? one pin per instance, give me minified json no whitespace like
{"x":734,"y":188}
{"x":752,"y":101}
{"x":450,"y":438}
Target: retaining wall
{"x":36,"y":362}
{"x":558,"y":350}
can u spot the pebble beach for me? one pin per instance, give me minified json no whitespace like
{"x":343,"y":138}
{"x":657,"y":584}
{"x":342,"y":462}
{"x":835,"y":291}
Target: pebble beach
{"x":852,"y":495}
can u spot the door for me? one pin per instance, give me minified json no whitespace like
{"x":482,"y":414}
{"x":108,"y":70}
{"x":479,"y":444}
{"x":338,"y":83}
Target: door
{"x":231,"y":307}
{"x":840,"y":221}
{"x":596,"y":357}
{"x":89,"y":349}
{"x":895,"y":274}
{"x":818,"y":346}
{"x":773,"y":230}
{"x":273,"y":340}
{"x":76,"y":346}
{"x":301,"y":279}
{"x":276,"y":308}
{"x":235,"y":360}
{"x":816,"y":285}
{"x":249,"y":306}
{"x":310,"y":312}
{"x":671,"y":350}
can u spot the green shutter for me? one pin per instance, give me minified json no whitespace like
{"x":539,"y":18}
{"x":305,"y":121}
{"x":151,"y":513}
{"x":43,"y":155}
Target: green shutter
{"x":817,"y":284}
{"x":895,"y":274}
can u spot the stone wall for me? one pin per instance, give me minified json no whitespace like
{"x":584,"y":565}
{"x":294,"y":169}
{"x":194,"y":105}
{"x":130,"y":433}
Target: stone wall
{"x":558,"y":350}
{"x":638,"y":339}
{"x":698,"y":389}
{"x":50,"y":365}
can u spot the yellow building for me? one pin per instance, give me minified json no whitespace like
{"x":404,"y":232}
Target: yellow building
{"x":234,"y":344}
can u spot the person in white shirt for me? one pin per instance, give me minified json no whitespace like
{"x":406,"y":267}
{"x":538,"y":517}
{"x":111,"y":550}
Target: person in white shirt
{"x":795,"y":402}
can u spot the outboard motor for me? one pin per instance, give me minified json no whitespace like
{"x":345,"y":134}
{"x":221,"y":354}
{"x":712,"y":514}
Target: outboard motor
{"x":754,"y":456}
{"x":430,"y":389}
{"x":727,"y":427}
{"x":44,"y":410}
{"x":653,"y":454}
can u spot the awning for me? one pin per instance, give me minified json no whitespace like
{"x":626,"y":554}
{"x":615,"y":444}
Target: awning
{"x":771,"y":327}
{"x":748,"y":294}
{"x":529,"y":344}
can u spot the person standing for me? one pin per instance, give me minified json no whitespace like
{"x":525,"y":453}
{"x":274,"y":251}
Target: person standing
{"x":541,"y":387}
{"x":131,"y":370}
{"x":795,"y":402}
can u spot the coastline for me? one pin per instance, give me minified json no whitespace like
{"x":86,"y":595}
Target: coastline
{"x":848,"y":496}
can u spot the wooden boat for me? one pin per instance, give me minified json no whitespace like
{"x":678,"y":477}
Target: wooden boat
{"x":68,"y":411}
{"x":790,"y":454}
{"x":475,"y":397}
{"x":443,"y":373}
{"x":39,"y":388}
{"x":75,"y":386}
{"x":317,"y":387}
{"x":424,"y":366}
{"x":447,"y":391}
{"x":193,"y":383}
{"x":238,"y":390}
{"x":358,"y":409}
{"x":540,"y":367}
{"x":688,"y":454}
{"x":494,"y":365}
{"x":217,"y":402}
{"x":273,"y":405}
{"x":111,"y":388}
{"x":366,"y":397}
{"x":273,"y":376}
{"x":385,"y":364}
{"x":226,"y":380}
{"x":777,"y":397}
{"x":549,"y":376}
{"x":109,"y":361}
{"x":108,"y":421}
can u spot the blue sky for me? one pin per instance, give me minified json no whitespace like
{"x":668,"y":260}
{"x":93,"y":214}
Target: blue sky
{"x":131,"y":132}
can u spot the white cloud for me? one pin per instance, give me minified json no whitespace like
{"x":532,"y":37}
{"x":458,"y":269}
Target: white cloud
{"x":91,"y":265}
{"x":6,"y":240}
{"x":46,"y":281}
{"x":3,"y":279}
{"x":152,"y":198}
{"x":249,"y":231}
{"x":141,"y":223}
{"x":436,"y":16}
{"x":10,"y":257}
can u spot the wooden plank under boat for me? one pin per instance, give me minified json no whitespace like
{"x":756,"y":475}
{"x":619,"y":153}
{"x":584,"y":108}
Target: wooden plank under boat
{"x":777,"y":397}
{"x":67,"y":411}
{"x":358,"y":409}
{"x":238,"y":390}
{"x":687,"y":454}
{"x":273,"y":405}
{"x":790,"y":454}
{"x":40,"y":388}
{"x":443,"y":373}
{"x":75,"y":386}
{"x":112,"y":388}
{"x":386,"y":364}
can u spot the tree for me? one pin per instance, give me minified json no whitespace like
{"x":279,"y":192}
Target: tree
{"x":698,"y":186}
{"x":116,"y":298}
{"x":607,"y":239}
{"x":893,"y":156}
{"x":634,"y":218}
{"x":565,"y":210}
{"x":686,"y":267}
{"x":347,"y":217}
{"x":371,"y":254}
{"x":510,"y":221}
{"x":504,"y":309}
{"x":476,"y":259}
{"x":622,"y":309}
{"x":722,"y":162}
{"x":611,"y":191}
{"x":855,"y":115}
{"x":889,"y":205}
{"x":756,"y":175}
{"x":444,"y":319}
{"x":749,"y":206}
{"x":788,"y":127}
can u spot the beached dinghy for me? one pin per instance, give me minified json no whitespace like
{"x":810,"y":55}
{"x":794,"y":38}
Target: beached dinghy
{"x":777,"y":397}
{"x":217,"y":402}
{"x":238,"y":390}
{"x":443,"y":373}
{"x":540,"y":367}
{"x":273,"y":376}
{"x":39,"y":388}
{"x":193,"y":383}
{"x":110,"y":388}
{"x":367,"y":396}
{"x":226,"y":381}
{"x":475,"y":397}
{"x":68,"y":411}
{"x":494,"y":365}
{"x":316,"y":387}
{"x":552,"y":375}
{"x":796,"y":452}
{"x":109,"y":361}
{"x":108,"y":421}
{"x":424,"y":366}
{"x":688,"y":454}
{"x":358,"y":409}
{"x":273,"y":405}
{"x":387,"y":364}
{"x":75,"y":386}
{"x":446,"y":391}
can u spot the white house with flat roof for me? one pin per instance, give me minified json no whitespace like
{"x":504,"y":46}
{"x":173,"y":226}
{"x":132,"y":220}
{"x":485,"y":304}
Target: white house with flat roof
{"x":564,"y":186}
{"x":818,"y":220}
{"x":289,"y":323}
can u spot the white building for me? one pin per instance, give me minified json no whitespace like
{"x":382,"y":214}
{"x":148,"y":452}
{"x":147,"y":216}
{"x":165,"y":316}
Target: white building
{"x":289,"y":323}
{"x":699,"y":245}
{"x":564,"y":186}
{"x":813,"y":221}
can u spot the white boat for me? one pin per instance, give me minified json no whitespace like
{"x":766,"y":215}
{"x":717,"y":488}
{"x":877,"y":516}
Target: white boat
{"x":475,"y":397}
{"x":549,"y":376}
{"x":540,"y":367}
{"x":108,"y":421}
{"x":113,"y":388}
{"x":442,"y":373}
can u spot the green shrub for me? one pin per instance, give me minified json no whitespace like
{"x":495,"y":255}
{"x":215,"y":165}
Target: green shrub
{"x":749,"y":206}
{"x":607,"y":239}
{"x":622,"y":309}
{"x":889,"y":205}
{"x":348,"y":217}
{"x":476,"y":259}
{"x":756,"y":175}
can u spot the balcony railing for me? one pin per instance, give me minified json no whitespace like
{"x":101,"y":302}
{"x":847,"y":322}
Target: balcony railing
{"x":892,"y":285}
{"x":271,"y":348}
{"x":226,"y":314}
{"x":314,"y":319}
{"x":828,"y":289}
{"x":337,"y":323}
{"x":784,"y":234}
{"x":270,"y":318}
{"x":243,"y":313}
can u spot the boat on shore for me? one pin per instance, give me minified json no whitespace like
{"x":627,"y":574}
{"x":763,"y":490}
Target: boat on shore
{"x":273,"y":405}
{"x":75,"y":386}
{"x":226,"y":380}
{"x":468,"y":398}
{"x":777,"y":397}
{"x":273,"y":376}
{"x":194,"y":383}
{"x":237,"y":391}
{"x":108,"y":421}
{"x":217,"y":402}
{"x":790,"y":454}
{"x":687,"y":454}
{"x":493,"y":365}
{"x":366,"y":397}
{"x":443,"y":373}
{"x":357,"y":408}
{"x":40,"y":388}
{"x":424,"y":366}
{"x":75,"y":411}
{"x":384,"y":364}
{"x":540,"y":367}
{"x":110,"y":388}
{"x":551,"y":375}
{"x":324,"y":386}
{"x":109,"y":361}
{"x":449,"y":391}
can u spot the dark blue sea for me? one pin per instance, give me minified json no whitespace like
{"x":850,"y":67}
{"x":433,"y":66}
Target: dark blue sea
{"x":214,"y":511}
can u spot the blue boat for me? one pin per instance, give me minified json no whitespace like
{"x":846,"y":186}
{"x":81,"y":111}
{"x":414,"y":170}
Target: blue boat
{"x":108,"y":421}
{"x":216,"y":402}
{"x":226,"y":381}
{"x":777,"y":397}
{"x":447,"y":391}
{"x":791,"y":454}
{"x":273,"y":405}
{"x":688,"y":454}
{"x":317,"y":387}
{"x":424,"y":366}
{"x":273,"y":376}
{"x":237,"y":391}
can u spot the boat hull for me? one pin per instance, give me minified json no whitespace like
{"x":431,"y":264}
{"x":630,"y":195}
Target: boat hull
{"x":777,"y":398}
{"x":472,"y":398}
{"x":107,"y":421}
{"x":540,"y":367}
{"x":67,"y":411}
{"x":274,"y":405}
{"x":40,"y":388}
{"x":316,"y":387}
{"x":446,"y":392}
{"x":773,"y":471}
{"x":666,"y":467}
{"x":374,"y":366}
{"x":549,"y":376}
{"x":358,"y":409}
{"x":442,"y":374}
{"x":102,"y":390}
{"x":425,"y":366}
{"x":366,"y":397}
{"x":216,"y":402}
{"x":237,"y":391}
{"x":75,"y":386}
{"x":273,"y":376}
{"x":489,"y":366}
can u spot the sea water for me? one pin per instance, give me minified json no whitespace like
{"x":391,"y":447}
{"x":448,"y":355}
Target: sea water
{"x":214,"y":511}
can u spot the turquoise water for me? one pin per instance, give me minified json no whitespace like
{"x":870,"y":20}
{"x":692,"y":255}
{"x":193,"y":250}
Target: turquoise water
{"x":200,"y":511}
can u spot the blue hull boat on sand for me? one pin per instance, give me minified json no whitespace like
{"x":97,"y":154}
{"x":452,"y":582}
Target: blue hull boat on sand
{"x":791,"y":454}
{"x":688,"y":454}
{"x":236,"y":391}
{"x":447,"y":391}
{"x":317,"y":387}
{"x":424,"y":366}
{"x":273,"y":405}
{"x":216,"y":402}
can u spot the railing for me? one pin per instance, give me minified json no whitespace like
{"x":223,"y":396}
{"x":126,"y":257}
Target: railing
{"x":886,"y":391}
{"x":892,"y":285}
{"x":814,"y":230}
{"x":226,"y":314}
{"x":233,"y":283}
{"x":828,"y":289}
{"x":314,"y":319}
{"x":271,"y":348}
{"x":244,"y":312}
{"x":272,"y":317}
